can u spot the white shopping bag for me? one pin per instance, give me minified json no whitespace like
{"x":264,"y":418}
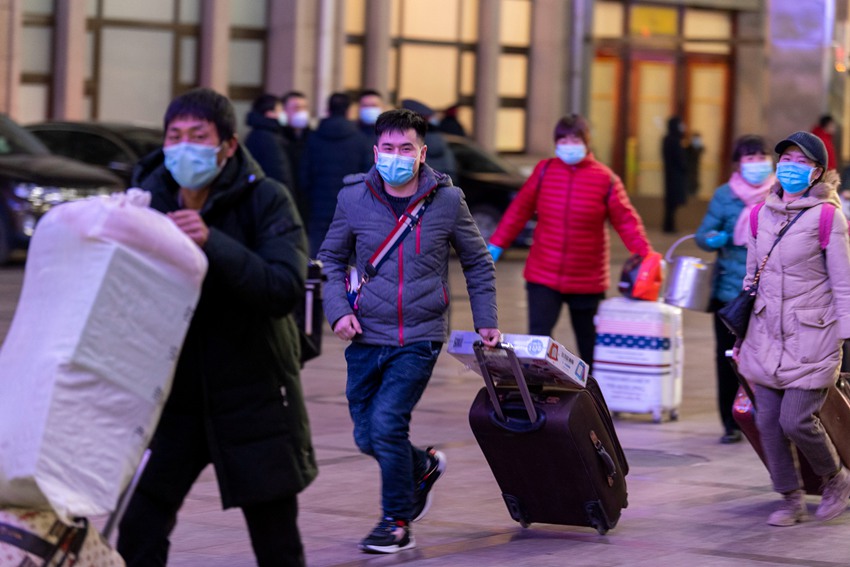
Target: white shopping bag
{"x":109,"y":290}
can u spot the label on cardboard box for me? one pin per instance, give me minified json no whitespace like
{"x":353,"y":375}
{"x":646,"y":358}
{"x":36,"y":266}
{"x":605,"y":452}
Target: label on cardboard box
{"x":543,"y":360}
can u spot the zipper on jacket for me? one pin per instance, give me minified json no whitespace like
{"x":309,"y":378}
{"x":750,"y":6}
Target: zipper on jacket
{"x":400,"y":288}
{"x":418,"y":237}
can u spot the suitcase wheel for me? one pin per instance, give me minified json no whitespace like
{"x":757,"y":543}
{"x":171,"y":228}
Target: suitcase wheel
{"x":515,"y":510}
{"x":597,"y":517}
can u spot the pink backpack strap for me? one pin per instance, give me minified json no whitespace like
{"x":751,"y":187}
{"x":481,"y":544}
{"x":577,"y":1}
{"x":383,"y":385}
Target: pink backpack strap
{"x":754,"y":218}
{"x":827,"y":212}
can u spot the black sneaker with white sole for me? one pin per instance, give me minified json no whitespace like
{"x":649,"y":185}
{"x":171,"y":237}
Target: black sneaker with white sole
{"x":389,"y":536}
{"x":422,"y":495}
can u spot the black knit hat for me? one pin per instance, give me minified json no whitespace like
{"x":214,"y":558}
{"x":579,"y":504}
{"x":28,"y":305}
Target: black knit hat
{"x":811,"y":146}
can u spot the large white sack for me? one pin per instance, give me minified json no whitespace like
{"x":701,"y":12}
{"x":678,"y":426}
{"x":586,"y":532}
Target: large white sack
{"x":109,"y":290}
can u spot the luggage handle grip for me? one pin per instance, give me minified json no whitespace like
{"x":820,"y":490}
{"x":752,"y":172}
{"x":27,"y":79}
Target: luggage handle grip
{"x":605,"y":456}
{"x":478,"y":347}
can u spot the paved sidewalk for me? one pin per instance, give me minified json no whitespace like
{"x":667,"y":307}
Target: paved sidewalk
{"x":692,"y":501}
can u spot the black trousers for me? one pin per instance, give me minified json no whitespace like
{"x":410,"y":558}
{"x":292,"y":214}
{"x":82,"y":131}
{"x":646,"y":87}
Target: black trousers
{"x":727,"y":380}
{"x":544,"y":308}
{"x":179,"y":453}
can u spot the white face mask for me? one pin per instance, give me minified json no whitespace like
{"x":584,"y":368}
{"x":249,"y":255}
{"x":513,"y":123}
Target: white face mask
{"x":282,"y":118}
{"x":369,"y":114}
{"x":300,"y":119}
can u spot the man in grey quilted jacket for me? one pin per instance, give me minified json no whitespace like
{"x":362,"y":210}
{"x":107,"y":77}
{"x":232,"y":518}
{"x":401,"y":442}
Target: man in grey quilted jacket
{"x":399,"y":321}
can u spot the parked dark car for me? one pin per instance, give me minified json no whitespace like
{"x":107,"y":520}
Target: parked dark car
{"x":32,"y":180}
{"x":489,"y":182}
{"x":113,"y":146}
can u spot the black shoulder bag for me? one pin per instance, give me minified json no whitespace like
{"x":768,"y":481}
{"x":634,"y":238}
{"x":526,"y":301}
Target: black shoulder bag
{"x":736,"y":314}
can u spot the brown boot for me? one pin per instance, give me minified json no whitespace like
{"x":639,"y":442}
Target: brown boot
{"x":791,"y":511}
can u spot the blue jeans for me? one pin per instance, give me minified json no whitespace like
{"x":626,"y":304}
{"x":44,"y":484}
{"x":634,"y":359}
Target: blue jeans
{"x":384,"y":385}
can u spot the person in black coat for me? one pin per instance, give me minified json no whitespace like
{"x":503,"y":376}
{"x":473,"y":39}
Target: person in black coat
{"x":236,"y":400}
{"x":370,"y":106}
{"x":675,"y":172}
{"x":450,"y":124}
{"x":440,"y":155}
{"x":335,"y":149}
{"x":265,"y":141}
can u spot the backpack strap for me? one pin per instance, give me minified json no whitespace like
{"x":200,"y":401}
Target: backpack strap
{"x":754,"y":218}
{"x":827,"y":212}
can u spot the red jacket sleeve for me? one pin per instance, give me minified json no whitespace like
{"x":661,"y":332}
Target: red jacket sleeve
{"x":625,"y":219}
{"x":520,"y":210}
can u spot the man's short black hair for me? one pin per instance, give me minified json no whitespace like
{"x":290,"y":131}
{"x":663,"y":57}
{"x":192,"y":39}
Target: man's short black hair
{"x":369,"y":92}
{"x":204,"y":104}
{"x":825,"y":120}
{"x":338,"y":104}
{"x":292,"y":94}
{"x":264,"y":103}
{"x":401,"y":120}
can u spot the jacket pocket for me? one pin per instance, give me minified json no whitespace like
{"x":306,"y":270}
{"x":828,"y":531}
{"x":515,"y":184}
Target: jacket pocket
{"x":816,"y":336}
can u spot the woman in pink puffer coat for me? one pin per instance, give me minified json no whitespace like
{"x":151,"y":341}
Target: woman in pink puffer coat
{"x":792,"y":350}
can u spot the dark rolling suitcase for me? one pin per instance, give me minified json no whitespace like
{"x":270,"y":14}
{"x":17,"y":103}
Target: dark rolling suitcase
{"x":553,"y":451}
{"x":834,"y":416}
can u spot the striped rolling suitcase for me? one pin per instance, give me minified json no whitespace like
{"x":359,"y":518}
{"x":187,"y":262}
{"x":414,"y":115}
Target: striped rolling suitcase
{"x":553,"y":451}
{"x":639,"y":356}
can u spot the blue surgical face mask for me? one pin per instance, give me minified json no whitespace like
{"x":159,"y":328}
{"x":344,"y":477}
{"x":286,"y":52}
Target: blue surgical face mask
{"x":794,"y":177}
{"x":193,"y":166}
{"x":369,"y":114}
{"x":571,"y":154}
{"x":756,"y":172}
{"x":395,"y":169}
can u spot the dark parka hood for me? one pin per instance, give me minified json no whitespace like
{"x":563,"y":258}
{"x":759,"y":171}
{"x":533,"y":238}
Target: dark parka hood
{"x":260,"y":121}
{"x":240,"y":172}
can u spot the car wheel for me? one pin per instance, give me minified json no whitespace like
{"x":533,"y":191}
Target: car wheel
{"x":487,"y":218}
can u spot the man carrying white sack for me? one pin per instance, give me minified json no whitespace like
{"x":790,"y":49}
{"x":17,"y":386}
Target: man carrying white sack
{"x":236,"y":401}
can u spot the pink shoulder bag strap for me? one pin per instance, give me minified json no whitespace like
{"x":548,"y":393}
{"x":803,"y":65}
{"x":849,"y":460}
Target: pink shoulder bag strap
{"x":827,"y":212}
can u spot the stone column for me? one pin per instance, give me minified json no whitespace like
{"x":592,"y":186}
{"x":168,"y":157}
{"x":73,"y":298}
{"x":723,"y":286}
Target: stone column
{"x":799,"y":64}
{"x":215,"y":43}
{"x":748,"y":102}
{"x":290,"y":46}
{"x":329,"y":47}
{"x":376,"y":75}
{"x":69,"y":55}
{"x":548,"y":77}
{"x":11,"y":25}
{"x":487,"y":73}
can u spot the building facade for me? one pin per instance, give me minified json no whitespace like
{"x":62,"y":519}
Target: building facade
{"x":726,"y":67}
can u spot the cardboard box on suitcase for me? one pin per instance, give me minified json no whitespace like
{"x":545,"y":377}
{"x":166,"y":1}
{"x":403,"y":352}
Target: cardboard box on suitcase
{"x":543,"y":359}
{"x":553,"y":452}
{"x":639,"y":356}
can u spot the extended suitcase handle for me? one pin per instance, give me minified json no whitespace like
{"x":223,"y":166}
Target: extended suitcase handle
{"x":606,"y":458}
{"x":478,"y":348}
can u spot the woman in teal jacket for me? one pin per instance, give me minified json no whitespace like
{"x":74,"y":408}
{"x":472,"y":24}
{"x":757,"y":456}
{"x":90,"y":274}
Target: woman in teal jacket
{"x":724,"y":230}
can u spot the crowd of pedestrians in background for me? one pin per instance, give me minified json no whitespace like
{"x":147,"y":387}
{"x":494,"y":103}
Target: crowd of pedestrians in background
{"x":361,"y":186}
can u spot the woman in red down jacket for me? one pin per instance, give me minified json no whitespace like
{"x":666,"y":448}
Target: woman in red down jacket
{"x":573,"y":195}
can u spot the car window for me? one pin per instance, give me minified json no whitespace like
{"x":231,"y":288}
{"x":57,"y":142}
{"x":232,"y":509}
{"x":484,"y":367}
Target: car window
{"x":16,"y":140}
{"x":474,"y":160}
{"x":84,"y":146}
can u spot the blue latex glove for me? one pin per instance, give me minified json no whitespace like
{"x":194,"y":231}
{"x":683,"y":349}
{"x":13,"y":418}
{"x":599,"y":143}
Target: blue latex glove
{"x":495,"y":251}
{"x":717,"y":239}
